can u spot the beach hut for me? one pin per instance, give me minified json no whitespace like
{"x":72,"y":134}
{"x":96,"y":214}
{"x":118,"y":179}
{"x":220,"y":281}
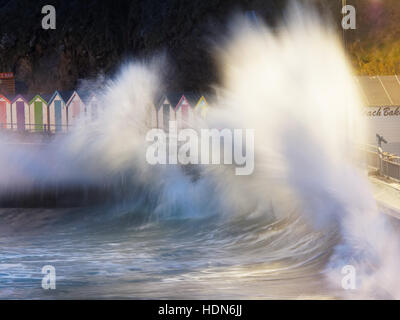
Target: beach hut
{"x":5,"y":112}
{"x":201,"y":108}
{"x":153,"y":110}
{"x":57,"y":113}
{"x":20,"y":119}
{"x":165,"y":110}
{"x":184,"y":110}
{"x":66,"y":95}
{"x":75,"y":108}
{"x":91,"y":105}
{"x":152,"y":113}
{"x":38,"y":119}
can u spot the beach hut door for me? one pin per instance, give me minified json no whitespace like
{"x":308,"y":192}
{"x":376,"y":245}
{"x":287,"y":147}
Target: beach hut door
{"x":20,"y":115}
{"x":3,"y":115}
{"x":165,"y":115}
{"x":38,"y":116}
{"x":57,"y":115}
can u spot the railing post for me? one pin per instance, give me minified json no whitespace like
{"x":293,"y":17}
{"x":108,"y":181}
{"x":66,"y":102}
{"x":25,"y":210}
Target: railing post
{"x":380,"y":161}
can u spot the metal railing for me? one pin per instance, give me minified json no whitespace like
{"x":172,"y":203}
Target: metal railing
{"x":29,"y":127}
{"x":386,"y":164}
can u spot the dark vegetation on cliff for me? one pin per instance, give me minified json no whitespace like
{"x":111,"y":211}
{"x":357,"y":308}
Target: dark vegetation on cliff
{"x":94,"y":37}
{"x":374,"y":47}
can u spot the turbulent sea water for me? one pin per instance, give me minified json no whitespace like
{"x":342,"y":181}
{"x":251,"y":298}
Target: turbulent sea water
{"x":286,"y":231}
{"x":175,"y":258}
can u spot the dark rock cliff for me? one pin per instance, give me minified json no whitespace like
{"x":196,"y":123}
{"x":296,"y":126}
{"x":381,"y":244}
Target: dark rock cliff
{"x":95,"y":37}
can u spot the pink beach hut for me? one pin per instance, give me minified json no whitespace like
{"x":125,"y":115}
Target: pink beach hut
{"x":75,"y":108}
{"x":5,"y":112}
{"x":184,"y":110}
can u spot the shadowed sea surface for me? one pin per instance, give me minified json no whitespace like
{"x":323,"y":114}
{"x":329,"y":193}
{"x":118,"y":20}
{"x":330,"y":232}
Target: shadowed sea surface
{"x":98,"y":253}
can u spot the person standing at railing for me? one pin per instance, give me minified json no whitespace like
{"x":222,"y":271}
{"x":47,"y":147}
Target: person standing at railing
{"x":380,"y":139}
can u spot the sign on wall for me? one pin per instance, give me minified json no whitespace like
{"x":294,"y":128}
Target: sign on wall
{"x":385,"y":121}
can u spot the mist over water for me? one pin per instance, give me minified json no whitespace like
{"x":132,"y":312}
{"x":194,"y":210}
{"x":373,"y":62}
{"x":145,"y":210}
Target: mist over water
{"x":286,"y":231}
